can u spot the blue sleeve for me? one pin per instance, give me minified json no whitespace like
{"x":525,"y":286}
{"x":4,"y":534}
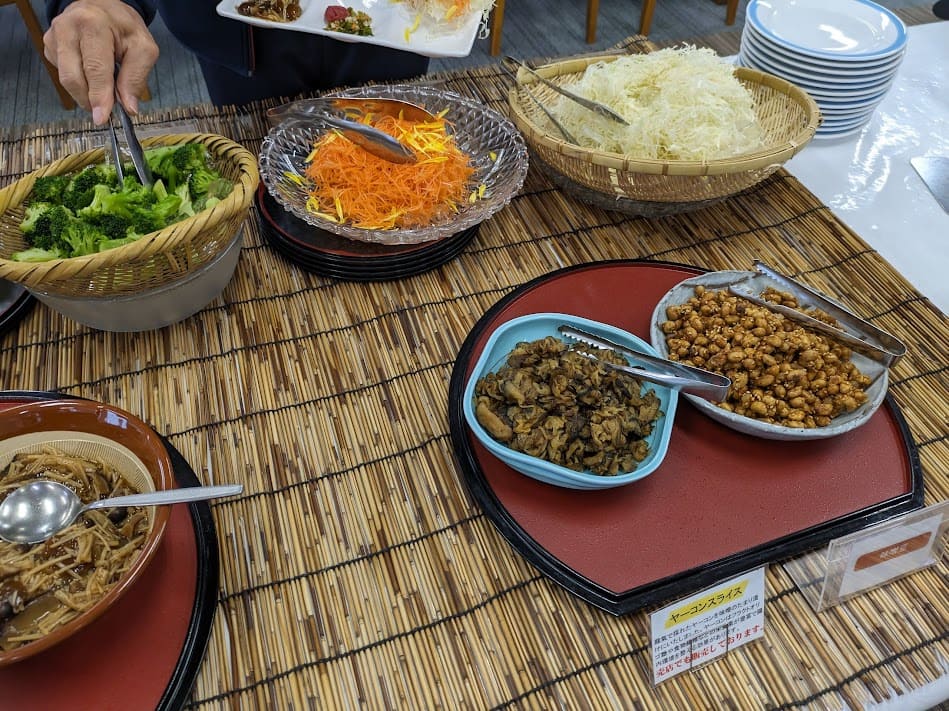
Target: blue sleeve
{"x":145,"y":8}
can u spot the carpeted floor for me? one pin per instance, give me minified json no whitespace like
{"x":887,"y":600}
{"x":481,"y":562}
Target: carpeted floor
{"x":532,"y":29}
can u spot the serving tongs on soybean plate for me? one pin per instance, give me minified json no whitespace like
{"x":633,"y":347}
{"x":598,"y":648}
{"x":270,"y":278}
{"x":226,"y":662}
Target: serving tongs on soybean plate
{"x":595,"y":106}
{"x":347,"y":115}
{"x":853,"y":331}
{"x":676,"y":376}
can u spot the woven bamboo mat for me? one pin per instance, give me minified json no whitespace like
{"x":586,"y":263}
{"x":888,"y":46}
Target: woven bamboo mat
{"x":356,"y":571}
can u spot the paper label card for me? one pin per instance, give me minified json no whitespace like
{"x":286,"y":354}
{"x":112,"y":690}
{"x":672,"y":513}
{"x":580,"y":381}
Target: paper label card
{"x":694,"y":631}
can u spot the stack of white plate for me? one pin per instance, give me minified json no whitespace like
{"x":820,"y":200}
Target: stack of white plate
{"x":844,"y":53}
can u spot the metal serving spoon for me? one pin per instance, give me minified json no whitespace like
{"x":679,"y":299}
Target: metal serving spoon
{"x":38,"y":510}
{"x":342,"y":112}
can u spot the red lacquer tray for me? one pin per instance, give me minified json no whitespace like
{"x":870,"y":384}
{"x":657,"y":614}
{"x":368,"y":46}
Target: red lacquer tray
{"x":721,"y":502}
{"x":145,"y":652}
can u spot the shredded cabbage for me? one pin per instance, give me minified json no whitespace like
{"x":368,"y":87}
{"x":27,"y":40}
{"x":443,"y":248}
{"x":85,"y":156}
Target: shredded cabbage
{"x":444,"y":16}
{"x":681,"y":103}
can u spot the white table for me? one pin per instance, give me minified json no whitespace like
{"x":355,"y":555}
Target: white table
{"x":867,"y":179}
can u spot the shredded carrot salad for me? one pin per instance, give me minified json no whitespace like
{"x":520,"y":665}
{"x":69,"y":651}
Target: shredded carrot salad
{"x":355,"y":187}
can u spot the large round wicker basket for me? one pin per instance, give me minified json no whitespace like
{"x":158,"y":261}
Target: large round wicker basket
{"x":787,"y":114}
{"x":149,"y":262}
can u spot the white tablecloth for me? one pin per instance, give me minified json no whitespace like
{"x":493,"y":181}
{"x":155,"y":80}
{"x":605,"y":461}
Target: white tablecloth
{"x":867,"y":179}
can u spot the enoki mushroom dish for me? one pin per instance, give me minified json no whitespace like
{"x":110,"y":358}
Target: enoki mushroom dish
{"x":45,"y":585}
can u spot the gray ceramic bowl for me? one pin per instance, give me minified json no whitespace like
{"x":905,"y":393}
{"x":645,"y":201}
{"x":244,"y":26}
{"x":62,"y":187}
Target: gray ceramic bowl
{"x":155,"y":308}
{"x":683,"y":291}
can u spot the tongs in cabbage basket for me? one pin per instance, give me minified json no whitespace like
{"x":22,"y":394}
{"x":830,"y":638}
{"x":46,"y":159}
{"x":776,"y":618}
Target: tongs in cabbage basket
{"x":857,"y":333}
{"x":595,"y":106}
{"x":677,"y":376}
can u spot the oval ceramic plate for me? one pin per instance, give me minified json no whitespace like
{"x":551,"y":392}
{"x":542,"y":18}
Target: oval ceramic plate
{"x":683,"y":291}
{"x":393,"y":26}
{"x":847,"y":30}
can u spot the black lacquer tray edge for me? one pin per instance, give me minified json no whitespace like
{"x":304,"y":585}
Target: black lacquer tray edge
{"x":207,"y":571}
{"x":16,"y":311}
{"x":685,"y":582}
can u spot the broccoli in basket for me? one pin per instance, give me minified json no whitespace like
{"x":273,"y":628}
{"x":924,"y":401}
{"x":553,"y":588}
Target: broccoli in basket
{"x":90,"y":211}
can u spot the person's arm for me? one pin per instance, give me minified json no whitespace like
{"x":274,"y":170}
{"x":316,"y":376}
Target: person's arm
{"x":85,"y":40}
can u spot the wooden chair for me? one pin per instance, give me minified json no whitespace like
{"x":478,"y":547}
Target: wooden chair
{"x":593,"y":9}
{"x":36,"y":36}
{"x":645,"y":17}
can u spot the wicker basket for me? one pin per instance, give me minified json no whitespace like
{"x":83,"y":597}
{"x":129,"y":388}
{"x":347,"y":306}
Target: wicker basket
{"x":787,"y":114}
{"x":153,"y":260}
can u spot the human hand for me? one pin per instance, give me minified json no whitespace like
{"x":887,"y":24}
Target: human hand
{"x":86,"y":40}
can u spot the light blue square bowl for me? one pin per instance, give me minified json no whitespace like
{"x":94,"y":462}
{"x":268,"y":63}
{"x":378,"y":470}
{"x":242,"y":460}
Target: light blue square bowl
{"x":533,"y":327}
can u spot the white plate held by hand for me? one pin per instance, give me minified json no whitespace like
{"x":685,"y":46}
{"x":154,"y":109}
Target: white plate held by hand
{"x":392,"y":24}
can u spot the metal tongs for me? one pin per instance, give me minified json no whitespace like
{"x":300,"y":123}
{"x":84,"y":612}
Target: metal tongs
{"x":131,"y":140}
{"x":533,"y":97}
{"x":594,"y":106}
{"x":857,"y":333}
{"x":343,"y":114}
{"x":677,"y":376}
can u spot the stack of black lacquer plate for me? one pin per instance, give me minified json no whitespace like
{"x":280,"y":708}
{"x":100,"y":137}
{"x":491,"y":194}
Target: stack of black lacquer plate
{"x":324,"y":253}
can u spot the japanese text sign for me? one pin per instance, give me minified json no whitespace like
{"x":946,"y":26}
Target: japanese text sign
{"x":696,"y":630}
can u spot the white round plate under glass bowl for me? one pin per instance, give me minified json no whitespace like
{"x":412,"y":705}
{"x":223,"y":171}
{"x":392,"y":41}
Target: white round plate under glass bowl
{"x":839,"y":51}
{"x":876,"y":392}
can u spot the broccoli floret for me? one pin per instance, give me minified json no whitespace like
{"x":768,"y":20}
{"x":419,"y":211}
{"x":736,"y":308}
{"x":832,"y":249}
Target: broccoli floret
{"x":80,"y":190}
{"x":33,"y":213}
{"x":113,"y":243}
{"x":49,"y":188}
{"x":166,"y":210}
{"x":206,"y":184}
{"x":156,"y":158}
{"x":114,"y":227}
{"x":35,"y":254}
{"x":81,"y":238}
{"x":189,"y":157}
{"x":175,"y":164}
{"x":137,"y":191}
{"x":125,"y":203}
{"x":185,"y":208}
{"x":44,"y":227}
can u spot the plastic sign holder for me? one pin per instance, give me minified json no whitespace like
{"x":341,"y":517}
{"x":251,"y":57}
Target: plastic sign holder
{"x":707,"y":625}
{"x":871,"y":557}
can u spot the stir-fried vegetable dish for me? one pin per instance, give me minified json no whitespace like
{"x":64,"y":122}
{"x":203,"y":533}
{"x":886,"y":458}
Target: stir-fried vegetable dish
{"x":348,"y":20}
{"x":273,"y":10}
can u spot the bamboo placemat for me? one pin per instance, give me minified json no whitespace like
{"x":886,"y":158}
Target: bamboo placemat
{"x":356,"y":571}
